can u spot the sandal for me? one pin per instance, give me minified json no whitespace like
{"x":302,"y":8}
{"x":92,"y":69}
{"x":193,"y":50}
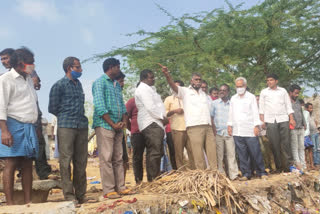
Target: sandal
{"x":127,"y":191}
{"x":112,"y":195}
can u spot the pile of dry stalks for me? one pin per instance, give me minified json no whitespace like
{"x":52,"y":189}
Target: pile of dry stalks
{"x":211,"y":187}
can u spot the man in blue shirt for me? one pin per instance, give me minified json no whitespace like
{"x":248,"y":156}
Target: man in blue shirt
{"x":67,"y":104}
{"x":109,"y":119}
{"x":225,"y":143}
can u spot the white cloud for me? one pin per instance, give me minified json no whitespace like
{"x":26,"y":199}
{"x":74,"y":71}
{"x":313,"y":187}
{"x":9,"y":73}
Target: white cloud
{"x":38,"y":9}
{"x":87,"y":36}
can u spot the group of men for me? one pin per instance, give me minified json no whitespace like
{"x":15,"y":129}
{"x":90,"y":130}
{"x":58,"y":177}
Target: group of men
{"x":214,"y":130}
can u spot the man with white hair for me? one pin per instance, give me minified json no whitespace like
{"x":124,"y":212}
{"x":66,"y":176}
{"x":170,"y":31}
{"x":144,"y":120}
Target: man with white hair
{"x":243,"y":125}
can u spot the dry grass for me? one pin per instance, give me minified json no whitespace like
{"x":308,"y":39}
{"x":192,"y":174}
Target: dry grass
{"x":211,"y":187}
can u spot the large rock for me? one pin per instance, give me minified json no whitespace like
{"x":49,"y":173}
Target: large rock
{"x":66,"y":207}
{"x":40,"y":191}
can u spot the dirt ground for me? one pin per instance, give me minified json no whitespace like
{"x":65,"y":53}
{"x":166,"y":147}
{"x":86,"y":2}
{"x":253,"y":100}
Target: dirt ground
{"x":276,"y":185}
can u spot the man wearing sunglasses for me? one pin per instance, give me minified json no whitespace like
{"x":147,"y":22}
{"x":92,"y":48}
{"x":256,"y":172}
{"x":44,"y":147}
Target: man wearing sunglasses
{"x":67,"y":104}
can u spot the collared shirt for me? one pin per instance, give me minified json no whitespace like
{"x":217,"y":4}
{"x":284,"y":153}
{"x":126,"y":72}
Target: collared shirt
{"x":196,"y":106}
{"x":107,"y":99}
{"x":176,"y":120}
{"x":298,"y":115}
{"x":18,"y":99}
{"x":275,"y":105}
{"x":66,"y":101}
{"x":150,"y":106}
{"x":132,"y":114}
{"x":220,"y":113}
{"x":243,"y":115}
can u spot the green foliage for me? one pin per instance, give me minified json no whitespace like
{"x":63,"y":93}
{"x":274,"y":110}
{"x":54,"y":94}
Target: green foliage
{"x":276,"y":36}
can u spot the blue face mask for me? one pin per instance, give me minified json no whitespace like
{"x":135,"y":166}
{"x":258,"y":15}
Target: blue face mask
{"x":75,"y":75}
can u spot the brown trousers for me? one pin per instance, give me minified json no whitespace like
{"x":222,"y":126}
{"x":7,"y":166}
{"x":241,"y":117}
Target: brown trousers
{"x":180,"y":141}
{"x":110,"y":157}
{"x":202,"y":141}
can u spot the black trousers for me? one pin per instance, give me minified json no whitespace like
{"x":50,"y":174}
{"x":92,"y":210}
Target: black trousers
{"x":279,"y":137}
{"x":171,"y":151}
{"x":153,"y":136}
{"x":138,"y":147}
{"x":43,"y":169}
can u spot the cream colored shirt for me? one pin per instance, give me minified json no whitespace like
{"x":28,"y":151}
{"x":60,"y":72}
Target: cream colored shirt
{"x":150,"y":106}
{"x":18,"y":99}
{"x":176,"y":120}
{"x":196,"y":106}
{"x":275,"y":105}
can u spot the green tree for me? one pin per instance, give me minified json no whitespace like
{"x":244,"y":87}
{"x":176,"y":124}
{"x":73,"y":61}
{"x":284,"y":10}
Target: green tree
{"x":276,"y":36}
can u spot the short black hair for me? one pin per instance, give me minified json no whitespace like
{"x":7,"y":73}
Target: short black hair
{"x":301,"y":101}
{"x":144,"y":74}
{"x":22,"y":54}
{"x":294,"y":87}
{"x":226,"y":85}
{"x":7,"y":51}
{"x":307,"y":105}
{"x":180,"y":82}
{"x":68,"y":62}
{"x":213,"y":89}
{"x":205,"y":82}
{"x":109,"y":63}
{"x":121,"y":75}
{"x":273,"y":76}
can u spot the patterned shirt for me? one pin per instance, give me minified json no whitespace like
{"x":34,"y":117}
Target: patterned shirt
{"x":67,"y":103}
{"x":219,"y":112}
{"x":107,"y":99}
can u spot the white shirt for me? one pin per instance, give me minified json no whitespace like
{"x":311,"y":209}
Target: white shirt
{"x":275,"y":105}
{"x":150,"y":106}
{"x":18,"y":99}
{"x":243,"y":115}
{"x":195,"y":106}
{"x":306,"y":115}
{"x":54,"y":124}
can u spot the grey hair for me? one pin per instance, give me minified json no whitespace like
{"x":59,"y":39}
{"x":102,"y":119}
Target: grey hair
{"x":241,"y":78}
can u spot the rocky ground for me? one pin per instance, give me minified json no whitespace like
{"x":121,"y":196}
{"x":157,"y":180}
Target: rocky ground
{"x":279,"y":193}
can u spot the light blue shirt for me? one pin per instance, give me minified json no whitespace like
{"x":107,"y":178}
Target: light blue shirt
{"x":219,"y":111}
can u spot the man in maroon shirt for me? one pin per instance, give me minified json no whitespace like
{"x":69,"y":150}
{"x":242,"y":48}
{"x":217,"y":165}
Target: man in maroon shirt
{"x":137,"y":141}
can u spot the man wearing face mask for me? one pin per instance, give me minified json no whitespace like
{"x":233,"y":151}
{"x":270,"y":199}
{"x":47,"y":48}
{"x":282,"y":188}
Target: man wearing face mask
{"x":18,"y":113}
{"x":243,"y":125}
{"x":198,"y":120}
{"x":67,"y":104}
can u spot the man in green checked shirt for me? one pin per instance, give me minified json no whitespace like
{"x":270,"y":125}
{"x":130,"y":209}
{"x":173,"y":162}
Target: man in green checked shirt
{"x":109,"y":119}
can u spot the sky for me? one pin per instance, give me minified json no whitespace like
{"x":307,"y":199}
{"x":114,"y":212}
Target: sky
{"x":56,"y":29}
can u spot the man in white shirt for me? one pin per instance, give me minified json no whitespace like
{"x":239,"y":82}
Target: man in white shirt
{"x":18,"y":113}
{"x":243,"y":125}
{"x":151,"y":121}
{"x":198,"y":121}
{"x":276,"y":114}
{"x":5,"y":58}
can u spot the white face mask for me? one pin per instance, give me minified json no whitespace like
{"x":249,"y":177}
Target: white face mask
{"x":29,"y":68}
{"x":241,"y":91}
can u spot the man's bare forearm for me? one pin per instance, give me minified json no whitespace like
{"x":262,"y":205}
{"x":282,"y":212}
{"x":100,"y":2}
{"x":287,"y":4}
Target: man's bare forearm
{"x":3,"y":125}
